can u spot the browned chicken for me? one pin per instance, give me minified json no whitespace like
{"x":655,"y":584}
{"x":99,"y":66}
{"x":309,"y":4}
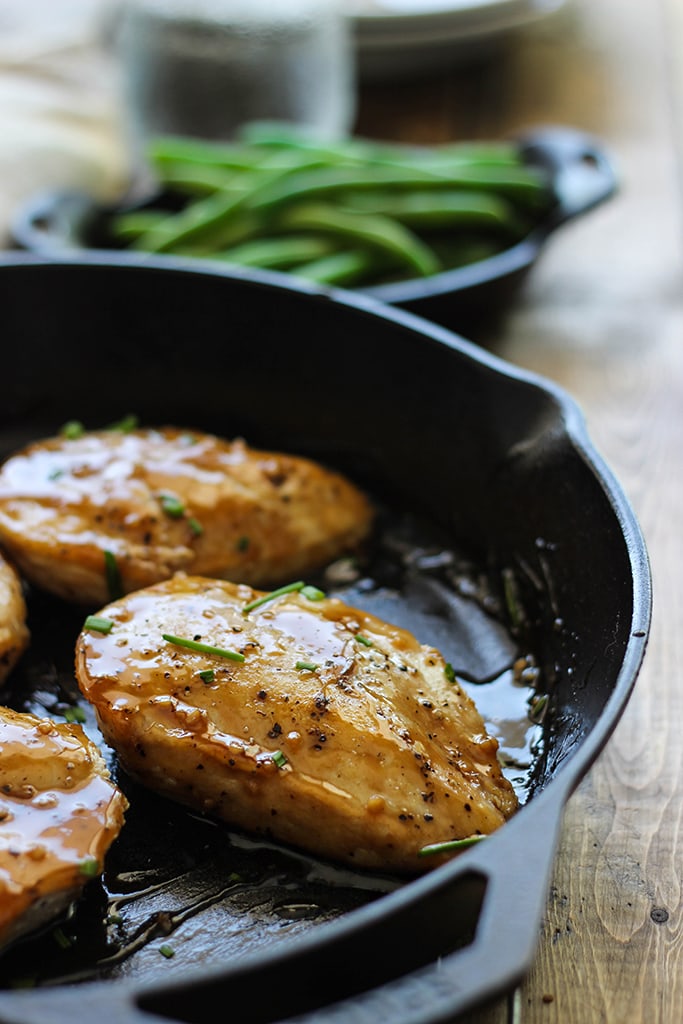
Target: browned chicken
{"x":59,"y":814}
{"x":14,"y":632}
{"x":293,"y":715}
{"x":98,"y":515}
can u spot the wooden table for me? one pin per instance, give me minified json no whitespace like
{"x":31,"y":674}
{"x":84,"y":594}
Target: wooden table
{"x":602,"y":315}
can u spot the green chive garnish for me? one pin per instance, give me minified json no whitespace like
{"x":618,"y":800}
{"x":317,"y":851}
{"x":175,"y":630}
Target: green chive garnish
{"x":126,"y":424}
{"x":207,"y":675}
{"x":242,"y":544}
{"x":62,"y":940}
{"x":172,"y":506}
{"x":364,"y":640}
{"x":313,"y":594}
{"x":89,"y":867}
{"x":111,"y":569}
{"x":449,"y":672}
{"x":195,"y":526}
{"x":279,"y":758}
{"x":167,"y":951}
{"x":195,"y":645}
{"x":288,"y":589}
{"x":449,"y":846}
{"x":75,"y":715}
{"x":306,"y":666}
{"x":72,"y":430}
{"x":98,"y":624}
{"x":538,"y":706}
{"x":55,"y":474}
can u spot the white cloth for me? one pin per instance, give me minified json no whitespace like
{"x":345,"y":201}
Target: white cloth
{"x":61,"y":122}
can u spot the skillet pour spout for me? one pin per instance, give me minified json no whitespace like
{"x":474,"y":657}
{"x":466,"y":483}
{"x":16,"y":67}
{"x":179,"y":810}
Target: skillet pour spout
{"x":499,"y":463}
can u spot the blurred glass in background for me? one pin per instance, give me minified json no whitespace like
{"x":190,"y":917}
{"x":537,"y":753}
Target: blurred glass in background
{"x":204,"y":67}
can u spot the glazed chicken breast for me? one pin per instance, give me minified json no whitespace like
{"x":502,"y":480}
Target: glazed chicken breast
{"x":92,"y":517}
{"x":14,"y":631}
{"x":59,"y":814}
{"x":294,"y":716}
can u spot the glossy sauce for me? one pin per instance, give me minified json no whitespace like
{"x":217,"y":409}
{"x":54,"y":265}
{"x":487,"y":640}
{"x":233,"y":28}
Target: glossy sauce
{"x":58,"y":814}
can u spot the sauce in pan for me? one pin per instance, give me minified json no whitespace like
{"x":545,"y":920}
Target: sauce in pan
{"x":178,"y":889}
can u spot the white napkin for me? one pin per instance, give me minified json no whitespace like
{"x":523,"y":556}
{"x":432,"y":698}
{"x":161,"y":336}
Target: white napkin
{"x":61,"y":123}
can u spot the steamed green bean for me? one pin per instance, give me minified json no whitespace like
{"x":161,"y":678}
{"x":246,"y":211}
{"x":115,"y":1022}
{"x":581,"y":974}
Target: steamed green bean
{"x":350,"y":213}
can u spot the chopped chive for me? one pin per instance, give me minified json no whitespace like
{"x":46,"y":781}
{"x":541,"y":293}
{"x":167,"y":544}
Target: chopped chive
{"x":62,"y":940}
{"x":126,"y":424}
{"x":89,"y":867}
{"x":98,"y":624}
{"x":537,"y":707}
{"x":172,"y":506}
{"x":195,"y":645}
{"x":364,"y":640}
{"x":167,"y":951}
{"x":242,"y":544}
{"x":55,"y":474}
{"x":72,"y":430}
{"x":195,"y":526}
{"x":288,"y":589}
{"x":449,"y":672}
{"x":207,"y":675}
{"x":313,"y":593}
{"x":449,"y":846}
{"x":75,"y":715}
{"x":111,"y":569}
{"x":306,"y":666}
{"x":279,"y":758}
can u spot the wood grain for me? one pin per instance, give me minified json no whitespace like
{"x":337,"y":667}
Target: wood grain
{"x":602,"y":314}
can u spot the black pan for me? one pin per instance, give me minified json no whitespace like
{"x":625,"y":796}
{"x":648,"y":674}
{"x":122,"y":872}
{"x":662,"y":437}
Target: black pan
{"x":502,"y":534}
{"x":580,"y":171}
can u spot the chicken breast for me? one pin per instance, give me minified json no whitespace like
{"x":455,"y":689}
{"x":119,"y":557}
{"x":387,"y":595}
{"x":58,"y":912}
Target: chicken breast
{"x":297,"y":717}
{"x":14,"y":631}
{"x":95,"y":516}
{"x":59,"y":814}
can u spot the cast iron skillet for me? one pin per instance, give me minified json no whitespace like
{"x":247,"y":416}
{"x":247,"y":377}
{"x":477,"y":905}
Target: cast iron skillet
{"x":496,"y":461}
{"x":582,"y":178}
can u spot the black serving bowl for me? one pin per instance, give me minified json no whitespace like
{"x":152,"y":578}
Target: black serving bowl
{"x":581,"y":177}
{"x":525,"y":542}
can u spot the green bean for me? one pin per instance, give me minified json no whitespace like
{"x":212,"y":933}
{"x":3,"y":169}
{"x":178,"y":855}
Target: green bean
{"x":191,"y":180}
{"x":127,"y":227}
{"x":279,"y":253}
{"x":208,"y":222}
{"x":165,"y":150}
{"x":265,"y":134}
{"x":518,"y":183}
{"x":440,"y":208}
{"x":341,"y":268}
{"x":379,"y":233}
{"x":336,"y":211}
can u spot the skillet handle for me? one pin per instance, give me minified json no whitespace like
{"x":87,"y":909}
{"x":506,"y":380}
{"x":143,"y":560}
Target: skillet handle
{"x":582,"y":174}
{"x":401,"y":959}
{"x":404,"y":960}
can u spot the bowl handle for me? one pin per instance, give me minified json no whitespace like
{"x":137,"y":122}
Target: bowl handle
{"x":582,"y":174}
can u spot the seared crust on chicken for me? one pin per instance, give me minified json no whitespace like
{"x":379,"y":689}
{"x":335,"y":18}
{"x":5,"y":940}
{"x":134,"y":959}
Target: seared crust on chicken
{"x":59,"y":814}
{"x":333,"y":731}
{"x":136,"y":507}
{"x":14,"y":632}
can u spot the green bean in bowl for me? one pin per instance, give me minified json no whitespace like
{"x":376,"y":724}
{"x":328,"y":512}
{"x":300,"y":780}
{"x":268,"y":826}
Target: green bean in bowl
{"x":446,"y":231}
{"x":356,"y":213}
